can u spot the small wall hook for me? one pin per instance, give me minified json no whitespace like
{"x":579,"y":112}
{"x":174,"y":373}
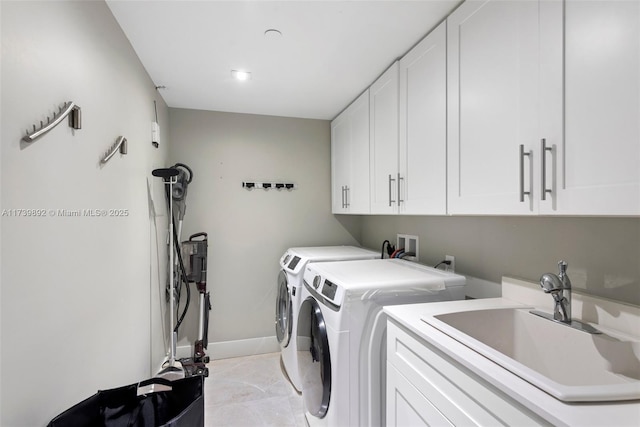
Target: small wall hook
{"x":69,"y":109}
{"x":121,"y":144}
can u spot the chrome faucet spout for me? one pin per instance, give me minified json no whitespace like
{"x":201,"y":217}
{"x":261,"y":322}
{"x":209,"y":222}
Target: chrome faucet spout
{"x":559,"y":286}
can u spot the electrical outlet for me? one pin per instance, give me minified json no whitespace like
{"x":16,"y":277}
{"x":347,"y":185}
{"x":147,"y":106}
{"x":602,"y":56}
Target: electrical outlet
{"x":452,"y":267}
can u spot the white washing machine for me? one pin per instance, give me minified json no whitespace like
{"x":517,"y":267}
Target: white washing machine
{"x":293,"y":264}
{"x":341,"y":333}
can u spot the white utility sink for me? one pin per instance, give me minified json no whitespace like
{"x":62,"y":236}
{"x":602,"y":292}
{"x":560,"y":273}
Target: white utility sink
{"x":571,"y":365}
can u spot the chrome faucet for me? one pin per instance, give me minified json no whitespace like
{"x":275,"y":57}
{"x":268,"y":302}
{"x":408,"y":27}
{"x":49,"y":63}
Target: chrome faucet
{"x":560,"y":288}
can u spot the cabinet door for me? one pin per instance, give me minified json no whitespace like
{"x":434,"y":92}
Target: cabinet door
{"x":384,"y":142}
{"x":595,"y":169}
{"x":340,"y":153}
{"x":492,"y":106}
{"x":423,"y":127}
{"x":357,"y":195}
{"x":350,"y":158}
{"x":437,"y":390}
{"x":406,"y":406}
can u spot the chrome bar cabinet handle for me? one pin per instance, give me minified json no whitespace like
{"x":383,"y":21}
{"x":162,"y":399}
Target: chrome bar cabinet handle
{"x":544,"y":150}
{"x":522,"y":156}
{"x":390,"y":181}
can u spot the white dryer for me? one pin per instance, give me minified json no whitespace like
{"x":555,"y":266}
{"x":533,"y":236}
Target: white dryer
{"x":293,"y":264}
{"x":341,"y":333}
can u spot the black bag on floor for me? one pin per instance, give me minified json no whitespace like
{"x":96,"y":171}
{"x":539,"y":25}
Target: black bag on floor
{"x":182,"y":406}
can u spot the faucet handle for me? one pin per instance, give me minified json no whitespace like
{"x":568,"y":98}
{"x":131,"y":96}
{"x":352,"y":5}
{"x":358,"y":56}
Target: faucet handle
{"x":562,"y":266}
{"x":550,"y":284}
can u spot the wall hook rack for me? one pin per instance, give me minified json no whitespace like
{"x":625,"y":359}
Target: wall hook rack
{"x":69,"y":109}
{"x":121,"y":144}
{"x":250,"y":185}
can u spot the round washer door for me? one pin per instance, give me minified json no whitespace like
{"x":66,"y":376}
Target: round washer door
{"x":283,"y":311}
{"x":314,"y":359}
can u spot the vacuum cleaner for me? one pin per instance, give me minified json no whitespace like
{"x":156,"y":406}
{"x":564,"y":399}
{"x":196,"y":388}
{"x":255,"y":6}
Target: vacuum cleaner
{"x":195,"y":251}
{"x":176,"y":180}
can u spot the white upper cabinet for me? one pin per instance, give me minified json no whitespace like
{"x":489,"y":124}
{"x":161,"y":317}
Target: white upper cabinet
{"x":340,"y":152}
{"x":408,"y":145}
{"x":595,"y":168}
{"x":493,"y":78}
{"x":383,"y":107}
{"x":422,"y":179}
{"x":544,"y":106}
{"x":350,"y":158}
{"x":517,"y":107}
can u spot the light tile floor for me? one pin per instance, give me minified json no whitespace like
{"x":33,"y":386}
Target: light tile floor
{"x":251,"y":391}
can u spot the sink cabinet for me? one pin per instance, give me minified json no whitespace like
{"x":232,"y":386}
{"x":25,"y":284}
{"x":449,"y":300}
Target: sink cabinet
{"x":430,"y":368}
{"x":543,"y":102}
{"x":425,"y":387}
{"x":350,"y":158}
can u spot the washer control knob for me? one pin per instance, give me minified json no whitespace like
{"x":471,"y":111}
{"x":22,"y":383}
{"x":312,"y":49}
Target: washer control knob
{"x":316,"y":281}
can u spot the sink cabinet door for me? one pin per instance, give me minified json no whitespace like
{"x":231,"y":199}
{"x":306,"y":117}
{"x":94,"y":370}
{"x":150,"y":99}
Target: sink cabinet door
{"x":406,"y":406}
{"x":426,"y":387}
{"x":594,"y":165}
{"x":493,"y":98}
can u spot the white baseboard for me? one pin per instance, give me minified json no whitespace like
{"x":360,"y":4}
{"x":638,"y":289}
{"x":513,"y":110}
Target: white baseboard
{"x":237,"y":348}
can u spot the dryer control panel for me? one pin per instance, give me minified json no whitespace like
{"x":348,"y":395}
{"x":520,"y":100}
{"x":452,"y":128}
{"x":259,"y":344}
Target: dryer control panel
{"x":291,"y":262}
{"x":329,"y":289}
{"x":324,"y":290}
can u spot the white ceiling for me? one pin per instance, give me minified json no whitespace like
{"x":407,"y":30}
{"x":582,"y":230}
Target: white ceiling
{"x":329,"y":51}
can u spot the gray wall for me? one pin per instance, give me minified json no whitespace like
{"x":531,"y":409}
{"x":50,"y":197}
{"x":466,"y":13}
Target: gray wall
{"x":75,"y":291}
{"x":250,"y":230}
{"x":603,"y":253}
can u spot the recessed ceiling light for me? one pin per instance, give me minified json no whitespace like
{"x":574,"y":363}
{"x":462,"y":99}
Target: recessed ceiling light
{"x":241,"y":75}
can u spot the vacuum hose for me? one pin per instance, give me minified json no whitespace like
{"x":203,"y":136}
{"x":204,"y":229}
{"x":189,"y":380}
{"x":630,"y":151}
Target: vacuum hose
{"x":183,"y":275}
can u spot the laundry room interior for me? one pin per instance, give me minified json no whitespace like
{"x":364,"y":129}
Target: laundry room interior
{"x":85,"y":224}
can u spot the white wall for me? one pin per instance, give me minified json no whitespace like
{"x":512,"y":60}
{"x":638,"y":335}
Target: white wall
{"x":75,"y":291}
{"x":250,"y":230}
